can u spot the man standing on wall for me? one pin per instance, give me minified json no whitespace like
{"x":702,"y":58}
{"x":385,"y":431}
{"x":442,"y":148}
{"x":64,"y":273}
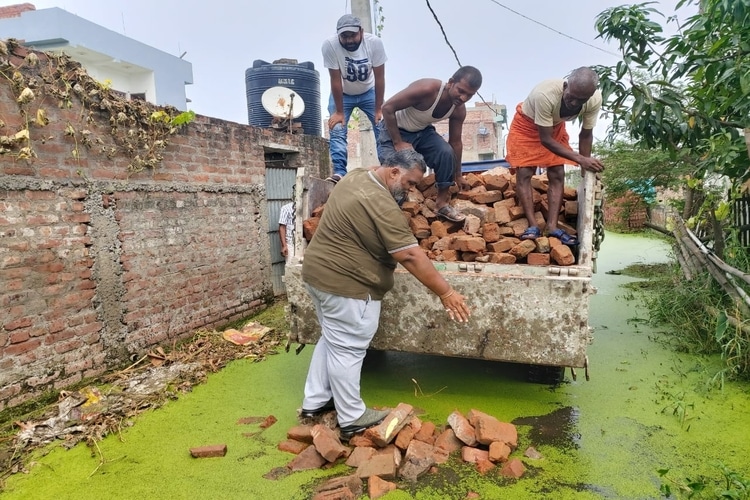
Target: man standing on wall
{"x":356,"y":64}
{"x":407,"y":124}
{"x":348,"y":268}
{"x":537,"y":138}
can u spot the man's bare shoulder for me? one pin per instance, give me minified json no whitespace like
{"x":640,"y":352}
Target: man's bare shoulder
{"x":423,"y":89}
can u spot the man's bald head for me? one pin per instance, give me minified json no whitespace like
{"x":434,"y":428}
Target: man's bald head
{"x":583,"y":81}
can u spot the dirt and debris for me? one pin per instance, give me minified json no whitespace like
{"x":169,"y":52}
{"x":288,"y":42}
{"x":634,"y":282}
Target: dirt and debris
{"x":92,"y":412}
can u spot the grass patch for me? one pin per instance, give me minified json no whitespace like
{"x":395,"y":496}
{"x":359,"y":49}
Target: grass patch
{"x":647,"y":271}
{"x":693,"y":315}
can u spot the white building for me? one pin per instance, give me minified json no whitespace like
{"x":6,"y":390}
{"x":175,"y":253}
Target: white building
{"x":128,"y":66}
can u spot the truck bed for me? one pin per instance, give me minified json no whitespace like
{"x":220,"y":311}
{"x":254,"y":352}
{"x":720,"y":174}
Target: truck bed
{"x":520,"y":313}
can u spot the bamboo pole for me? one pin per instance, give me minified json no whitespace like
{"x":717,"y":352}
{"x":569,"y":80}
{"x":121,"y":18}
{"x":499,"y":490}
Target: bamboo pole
{"x":695,"y":248}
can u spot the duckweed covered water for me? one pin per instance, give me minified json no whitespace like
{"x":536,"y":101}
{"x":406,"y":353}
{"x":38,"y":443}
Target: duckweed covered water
{"x":645,"y":408}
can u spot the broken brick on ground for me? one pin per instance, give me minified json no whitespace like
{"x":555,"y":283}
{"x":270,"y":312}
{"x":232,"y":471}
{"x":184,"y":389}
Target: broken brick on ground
{"x":403,"y":448}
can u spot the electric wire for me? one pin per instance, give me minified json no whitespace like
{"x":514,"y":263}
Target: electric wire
{"x":552,"y":29}
{"x":437,"y":20}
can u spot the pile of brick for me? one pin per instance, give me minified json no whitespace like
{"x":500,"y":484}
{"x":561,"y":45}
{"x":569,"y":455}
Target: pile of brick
{"x":403,"y":447}
{"x":494,"y":221}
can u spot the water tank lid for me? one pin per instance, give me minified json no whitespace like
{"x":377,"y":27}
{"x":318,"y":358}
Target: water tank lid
{"x":282,"y":101}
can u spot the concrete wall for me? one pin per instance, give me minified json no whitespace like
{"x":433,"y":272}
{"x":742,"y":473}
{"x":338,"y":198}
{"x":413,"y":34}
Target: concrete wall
{"x":98,"y":263}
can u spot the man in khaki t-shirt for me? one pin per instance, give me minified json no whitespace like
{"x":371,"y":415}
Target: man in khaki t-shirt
{"x":537,"y":138}
{"x":347,"y":268}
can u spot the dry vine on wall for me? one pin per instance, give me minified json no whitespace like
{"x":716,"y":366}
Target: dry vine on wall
{"x":138,"y":130}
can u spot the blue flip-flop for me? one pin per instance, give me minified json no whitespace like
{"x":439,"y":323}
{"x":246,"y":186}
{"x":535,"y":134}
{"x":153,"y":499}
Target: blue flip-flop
{"x":564,"y":237}
{"x":531,"y":233}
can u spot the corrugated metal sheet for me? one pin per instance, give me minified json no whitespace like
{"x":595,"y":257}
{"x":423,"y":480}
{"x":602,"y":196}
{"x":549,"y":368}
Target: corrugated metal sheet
{"x":280,"y":181}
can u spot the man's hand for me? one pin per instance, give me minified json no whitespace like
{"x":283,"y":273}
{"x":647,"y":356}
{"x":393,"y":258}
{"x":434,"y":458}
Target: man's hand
{"x":284,"y":251}
{"x":462,"y":184}
{"x":456,"y":307}
{"x":335,"y":118}
{"x":378,"y":116}
{"x":401,"y":146}
{"x":591,"y":164}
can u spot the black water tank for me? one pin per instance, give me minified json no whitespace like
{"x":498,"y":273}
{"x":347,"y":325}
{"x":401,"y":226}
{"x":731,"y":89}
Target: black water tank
{"x":302,"y":78}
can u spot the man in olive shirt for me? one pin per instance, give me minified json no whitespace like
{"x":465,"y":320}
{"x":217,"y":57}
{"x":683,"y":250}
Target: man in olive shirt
{"x":347,"y":268}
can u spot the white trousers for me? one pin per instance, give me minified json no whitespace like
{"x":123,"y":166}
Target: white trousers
{"x":347,"y":326}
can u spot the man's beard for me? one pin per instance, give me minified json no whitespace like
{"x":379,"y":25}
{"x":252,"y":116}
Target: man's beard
{"x":399,"y":194}
{"x":351,"y":46}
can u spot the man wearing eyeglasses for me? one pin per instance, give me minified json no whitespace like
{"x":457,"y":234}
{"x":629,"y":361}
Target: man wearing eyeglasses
{"x":356,"y":63}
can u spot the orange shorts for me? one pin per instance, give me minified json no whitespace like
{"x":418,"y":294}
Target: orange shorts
{"x":525,"y":149}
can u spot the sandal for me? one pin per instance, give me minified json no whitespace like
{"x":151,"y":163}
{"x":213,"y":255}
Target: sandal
{"x":451,"y":214}
{"x":335,"y":178}
{"x":531,"y":233}
{"x":564,"y":237}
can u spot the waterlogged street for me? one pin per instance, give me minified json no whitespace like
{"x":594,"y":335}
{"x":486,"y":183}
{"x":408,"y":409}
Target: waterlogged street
{"x":645,"y":409}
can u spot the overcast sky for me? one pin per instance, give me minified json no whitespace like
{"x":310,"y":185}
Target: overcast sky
{"x":222,"y":38}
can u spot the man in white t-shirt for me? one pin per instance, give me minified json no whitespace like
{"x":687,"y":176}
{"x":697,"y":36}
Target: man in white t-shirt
{"x":537,"y":138}
{"x":356,"y":63}
{"x":286,"y":231}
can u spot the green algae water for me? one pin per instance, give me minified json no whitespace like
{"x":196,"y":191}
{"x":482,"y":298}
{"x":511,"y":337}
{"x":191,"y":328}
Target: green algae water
{"x":644,"y":409}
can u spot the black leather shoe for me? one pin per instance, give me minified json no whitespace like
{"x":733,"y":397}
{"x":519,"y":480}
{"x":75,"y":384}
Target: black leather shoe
{"x":368,"y":419}
{"x":329,"y":406}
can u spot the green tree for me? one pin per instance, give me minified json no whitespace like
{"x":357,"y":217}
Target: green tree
{"x":699,"y":100}
{"x":643,"y":171}
{"x":696,"y":104}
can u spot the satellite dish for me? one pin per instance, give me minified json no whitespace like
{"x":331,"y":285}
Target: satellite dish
{"x":282,"y":102}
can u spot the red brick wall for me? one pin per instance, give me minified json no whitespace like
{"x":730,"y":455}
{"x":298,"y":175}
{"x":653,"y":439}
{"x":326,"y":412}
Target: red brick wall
{"x":15,"y":10}
{"x":626,"y":213}
{"x":96,"y":264}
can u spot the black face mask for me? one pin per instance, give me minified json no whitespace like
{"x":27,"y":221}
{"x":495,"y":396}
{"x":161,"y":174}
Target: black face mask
{"x":351,"y":46}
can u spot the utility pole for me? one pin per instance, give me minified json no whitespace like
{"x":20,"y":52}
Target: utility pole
{"x":367,"y":150}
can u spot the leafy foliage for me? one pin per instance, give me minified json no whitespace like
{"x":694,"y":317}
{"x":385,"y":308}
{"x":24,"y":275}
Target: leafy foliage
{"x":698,"y":100}
{"x":642,"y":171}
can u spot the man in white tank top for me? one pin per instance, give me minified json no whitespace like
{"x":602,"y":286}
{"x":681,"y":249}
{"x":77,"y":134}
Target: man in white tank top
{"x":407,"y":124}
{"x":356,"y":64}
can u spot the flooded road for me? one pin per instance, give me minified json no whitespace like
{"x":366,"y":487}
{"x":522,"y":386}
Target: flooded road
{"x":644,"y":409}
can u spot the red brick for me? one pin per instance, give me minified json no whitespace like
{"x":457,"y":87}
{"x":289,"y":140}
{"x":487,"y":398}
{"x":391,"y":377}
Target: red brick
{"x":292,"y":446}
{"x":21,"y":348}
{"x":562,"y":255}
{"x":404,"y":437}
{"x":473,"y":455}
{"x":462,"y":428}
{"x":419,"y":457}
{"x":386,"y":431}
{"x":360,"y":455}
{"x":327,"y":443}
{"x":448,"y":441}
{"x":18,"y":323}
{"x":379,"y":465}
{"x":513,"y":468}
{"x":377,"y":487}
{"x":484,"y":466}
{"x":426,"y":433}
{"x":309,"y":458}
{"x":216,"y":450}
{"x":499,"y":452}
{"x":538,"y":259}
{"x":17,"y":337}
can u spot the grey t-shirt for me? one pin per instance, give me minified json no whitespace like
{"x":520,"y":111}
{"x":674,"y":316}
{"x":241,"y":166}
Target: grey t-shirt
{"x":362,"y":225}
